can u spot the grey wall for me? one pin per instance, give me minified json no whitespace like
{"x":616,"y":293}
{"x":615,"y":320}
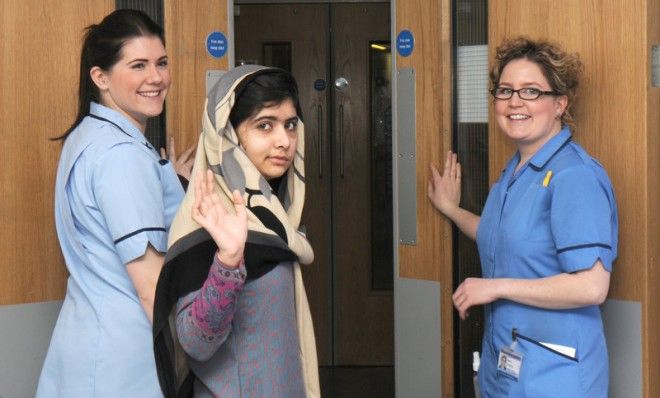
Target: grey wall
{"x":417,"y":336}
{"x":623,"y":330}
{"x":417,"y":341}
{"x":25,"y":332}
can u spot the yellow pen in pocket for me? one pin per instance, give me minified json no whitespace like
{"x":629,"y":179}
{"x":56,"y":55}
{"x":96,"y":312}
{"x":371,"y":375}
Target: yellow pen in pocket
{"x":547,"y":178}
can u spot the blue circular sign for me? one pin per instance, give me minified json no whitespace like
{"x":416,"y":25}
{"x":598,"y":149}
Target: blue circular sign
{"x":216,"y":44}
{"x":319,"y":85}
{"x":405,"y":43}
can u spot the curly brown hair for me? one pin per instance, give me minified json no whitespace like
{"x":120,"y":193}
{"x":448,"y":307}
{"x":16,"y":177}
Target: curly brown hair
{"x":561,"y":69}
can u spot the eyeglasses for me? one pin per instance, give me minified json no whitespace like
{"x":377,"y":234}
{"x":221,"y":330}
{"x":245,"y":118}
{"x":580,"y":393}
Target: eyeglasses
{"x":527,"y":93}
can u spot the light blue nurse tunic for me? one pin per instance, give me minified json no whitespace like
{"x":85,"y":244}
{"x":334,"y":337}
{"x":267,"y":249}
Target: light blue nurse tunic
{"x":113,"y":197}
{"x":556,"y":214}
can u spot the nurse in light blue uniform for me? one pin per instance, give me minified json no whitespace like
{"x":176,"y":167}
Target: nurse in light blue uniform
{"x":114,"y":202}
{"x":547,"y":237}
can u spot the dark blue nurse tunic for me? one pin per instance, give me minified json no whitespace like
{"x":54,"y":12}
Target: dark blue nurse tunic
{"x":557,"y":214}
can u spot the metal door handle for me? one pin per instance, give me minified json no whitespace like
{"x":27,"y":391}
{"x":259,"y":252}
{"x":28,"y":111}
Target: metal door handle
{"x":341,"y":83}
{"x":319,"y":129}
{"x":341,"y":140}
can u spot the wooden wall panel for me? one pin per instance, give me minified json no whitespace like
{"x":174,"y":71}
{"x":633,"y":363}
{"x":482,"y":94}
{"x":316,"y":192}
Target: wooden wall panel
{"x":618,"y":123}
{"x":38,"y":100}
{"x":39,"y":64}
{"x":431,"y":257}
{"x":609,"y":35}
{"x":187,"y":25}
{"x":652,"y":306}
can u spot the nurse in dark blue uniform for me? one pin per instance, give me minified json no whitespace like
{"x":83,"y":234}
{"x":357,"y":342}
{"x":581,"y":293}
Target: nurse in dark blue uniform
{"x":547,"y":236}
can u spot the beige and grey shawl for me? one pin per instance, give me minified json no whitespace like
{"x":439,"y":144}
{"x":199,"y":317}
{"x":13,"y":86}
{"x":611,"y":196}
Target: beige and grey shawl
{"x":273,"y":233}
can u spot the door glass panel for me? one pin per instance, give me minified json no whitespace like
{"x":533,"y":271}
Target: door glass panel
{"x":470,"y":137}
{"x":380,"y":98}
{"x":277,"y":55}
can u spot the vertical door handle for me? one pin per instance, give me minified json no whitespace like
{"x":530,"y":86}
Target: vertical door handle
{"x":341,"y":140}
{"x":319,"y":129}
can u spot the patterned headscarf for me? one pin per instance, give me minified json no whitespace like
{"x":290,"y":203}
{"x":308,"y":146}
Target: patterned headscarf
{"x":273,"y":235}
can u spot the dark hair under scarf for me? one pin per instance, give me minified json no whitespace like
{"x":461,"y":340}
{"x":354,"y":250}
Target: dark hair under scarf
{"x":268,"y":88}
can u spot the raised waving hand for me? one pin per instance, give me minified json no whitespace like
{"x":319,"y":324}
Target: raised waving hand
{"x":228,"y":230}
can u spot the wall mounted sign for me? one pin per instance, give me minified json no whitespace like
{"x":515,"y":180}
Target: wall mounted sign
{"x":405,"y":43}
{"x":319,"y":85}
{"x":216,"y":44}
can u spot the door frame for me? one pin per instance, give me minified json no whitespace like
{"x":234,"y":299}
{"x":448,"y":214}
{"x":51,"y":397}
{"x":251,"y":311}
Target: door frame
{"x":423,"y":273}
{"x":434,"y":280}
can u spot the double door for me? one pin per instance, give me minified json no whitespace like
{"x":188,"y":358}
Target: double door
{"x":339,"y":55}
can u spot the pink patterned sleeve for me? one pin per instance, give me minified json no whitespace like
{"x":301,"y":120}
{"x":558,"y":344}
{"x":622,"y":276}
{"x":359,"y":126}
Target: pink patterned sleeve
{"x":204,"y":316}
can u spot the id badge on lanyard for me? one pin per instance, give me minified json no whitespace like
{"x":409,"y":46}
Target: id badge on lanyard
{"x":509,"y":361}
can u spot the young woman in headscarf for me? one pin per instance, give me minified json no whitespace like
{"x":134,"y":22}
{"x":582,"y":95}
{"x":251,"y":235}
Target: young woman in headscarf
{"x":231,"y":286}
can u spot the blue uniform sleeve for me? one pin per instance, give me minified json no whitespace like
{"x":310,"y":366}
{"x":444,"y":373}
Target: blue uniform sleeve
{"x":583,"y":219}
{"x":129,"y":193}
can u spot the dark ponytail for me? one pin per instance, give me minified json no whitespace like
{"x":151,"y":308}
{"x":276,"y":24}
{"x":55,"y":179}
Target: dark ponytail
{"x":102,"y":47}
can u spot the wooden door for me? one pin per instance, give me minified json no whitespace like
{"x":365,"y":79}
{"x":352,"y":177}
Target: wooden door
{"x":352,"y":321}
{"x":303,"y":30}
{"x":364,"y":315}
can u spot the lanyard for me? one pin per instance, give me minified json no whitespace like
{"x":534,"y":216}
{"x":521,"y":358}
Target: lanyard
{"x":116,"y":125}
